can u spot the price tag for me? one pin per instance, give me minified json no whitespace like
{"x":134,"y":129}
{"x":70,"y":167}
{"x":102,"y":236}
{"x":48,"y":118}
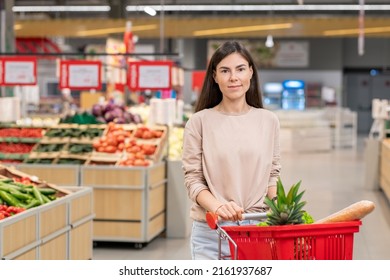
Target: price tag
{"x":80,"y":75}
{"x":155,"y":75}
{"x":18,"y":71}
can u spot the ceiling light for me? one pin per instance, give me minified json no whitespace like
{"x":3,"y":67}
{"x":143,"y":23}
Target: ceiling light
{"x":355,"y":31}
{"x":242,"y":29}
{"x":26,"y":9}
{"x":105,"y":31}
{"x":265,"y":8}
{"x":150,"y":11}
{"x":269,"y":43}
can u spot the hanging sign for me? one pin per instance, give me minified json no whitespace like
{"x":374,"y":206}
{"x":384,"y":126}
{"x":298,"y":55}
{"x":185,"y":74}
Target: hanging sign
{"x":80,"y":75}
{"x":154,"y":75}
{"x":18,"y":71}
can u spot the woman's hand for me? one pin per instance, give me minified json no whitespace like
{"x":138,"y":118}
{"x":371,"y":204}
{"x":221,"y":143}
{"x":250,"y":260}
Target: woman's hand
{"x":229,"y":211}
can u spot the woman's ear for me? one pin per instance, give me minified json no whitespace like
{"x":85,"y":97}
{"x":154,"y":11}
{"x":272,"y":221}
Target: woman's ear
{"x":251,"y":70}
{"x":214,"y":77}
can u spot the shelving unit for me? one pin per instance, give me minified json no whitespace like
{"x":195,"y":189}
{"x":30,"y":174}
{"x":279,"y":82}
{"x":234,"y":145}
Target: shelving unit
{"x":313,"y":95}
{"x":343,"y":123}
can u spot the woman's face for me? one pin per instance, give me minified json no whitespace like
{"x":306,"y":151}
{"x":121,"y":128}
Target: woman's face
{"x":233,"y":76}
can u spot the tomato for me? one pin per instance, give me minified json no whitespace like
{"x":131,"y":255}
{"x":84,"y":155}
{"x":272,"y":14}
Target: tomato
{"x":139,"y":162}
{"x":157,"y":133}
{"x":121,"y":147}
{"x":120,"y":138}
{"x":101,"y":149}
{"x":135,"y":149}
{"x":110,"y":149}
{"x":147,"y":135}
{"x":2,"y":216}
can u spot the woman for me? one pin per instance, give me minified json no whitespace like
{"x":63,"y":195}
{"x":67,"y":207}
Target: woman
{"x":231,"y":157}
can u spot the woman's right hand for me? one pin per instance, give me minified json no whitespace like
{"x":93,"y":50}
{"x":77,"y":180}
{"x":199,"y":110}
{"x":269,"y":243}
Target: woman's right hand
{"x":229,"y":211}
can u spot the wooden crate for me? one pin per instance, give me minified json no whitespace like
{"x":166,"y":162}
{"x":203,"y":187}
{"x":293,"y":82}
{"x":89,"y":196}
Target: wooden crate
{"x":110,"y":176}
{"x":19,"y":234}
{"x":129,"y":202}
{"x":55,"y":248}
{"x":61,"y":175}
{"x":53,"y":218}
{"x":80,"y":241}
{"x":54,"y":231}
{"x":118,"y":231}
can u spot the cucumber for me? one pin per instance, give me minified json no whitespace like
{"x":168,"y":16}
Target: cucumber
{"x":37,"y":194}
{"x":47,"y":191}
{"x":10,"y":199}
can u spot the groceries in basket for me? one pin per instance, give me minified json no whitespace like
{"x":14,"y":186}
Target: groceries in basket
{"x":290,"y":233}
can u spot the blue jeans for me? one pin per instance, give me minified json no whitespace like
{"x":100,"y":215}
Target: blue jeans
{"x":204,"y":240}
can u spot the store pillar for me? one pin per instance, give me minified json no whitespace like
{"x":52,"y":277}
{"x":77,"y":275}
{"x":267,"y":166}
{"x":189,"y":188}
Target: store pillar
{"x":7,"y":37}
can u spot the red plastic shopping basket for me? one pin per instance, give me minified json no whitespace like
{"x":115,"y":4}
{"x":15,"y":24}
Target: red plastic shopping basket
{"x":333,"y":241}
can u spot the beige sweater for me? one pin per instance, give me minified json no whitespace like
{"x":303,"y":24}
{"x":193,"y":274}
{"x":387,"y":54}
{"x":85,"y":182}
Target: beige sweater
{"x":235,"y":157}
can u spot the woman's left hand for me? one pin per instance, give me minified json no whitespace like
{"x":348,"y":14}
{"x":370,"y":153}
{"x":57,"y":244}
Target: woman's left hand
{"x":230,"y":212}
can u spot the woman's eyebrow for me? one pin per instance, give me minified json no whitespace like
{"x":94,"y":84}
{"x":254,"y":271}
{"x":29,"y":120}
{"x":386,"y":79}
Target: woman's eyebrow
{"x":238,"y":66}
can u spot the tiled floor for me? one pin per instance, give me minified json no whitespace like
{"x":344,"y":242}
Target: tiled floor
{"x":332,"y":181}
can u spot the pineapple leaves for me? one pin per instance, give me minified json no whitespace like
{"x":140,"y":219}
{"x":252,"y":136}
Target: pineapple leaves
{"x":287,"y":209}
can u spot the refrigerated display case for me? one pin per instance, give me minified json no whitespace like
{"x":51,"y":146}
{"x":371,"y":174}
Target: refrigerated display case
{"x":273,"y":95}
{"x":293,"y":95}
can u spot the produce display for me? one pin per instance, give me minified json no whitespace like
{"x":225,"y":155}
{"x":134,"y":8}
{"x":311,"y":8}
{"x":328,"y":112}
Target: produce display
{"x":111,"y":112}
{"x":134,"y":145}
{"x":175,"y":143}
{"x":17,"y":142}
{"x":18,"y":194}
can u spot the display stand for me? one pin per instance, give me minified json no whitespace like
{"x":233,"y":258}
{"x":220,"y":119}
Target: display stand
{"x":59,"y":230}
{"x":129,"y":203}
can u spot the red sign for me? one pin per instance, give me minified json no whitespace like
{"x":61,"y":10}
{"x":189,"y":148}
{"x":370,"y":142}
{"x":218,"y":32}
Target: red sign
{"x":80,"y":74}
{"x":154,"y":75}
{"x":18,"y":71}
{"x":197,"y":80}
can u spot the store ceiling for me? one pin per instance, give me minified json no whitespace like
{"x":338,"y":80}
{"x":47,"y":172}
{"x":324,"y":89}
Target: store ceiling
{"x":203,"y":24}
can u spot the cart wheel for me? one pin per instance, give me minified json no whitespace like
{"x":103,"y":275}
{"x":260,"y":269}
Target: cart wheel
{"x":138,"y":245}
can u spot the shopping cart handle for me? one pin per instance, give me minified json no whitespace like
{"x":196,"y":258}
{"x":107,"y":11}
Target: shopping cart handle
{"x":254,"y":216}
{"x":212,"y":218}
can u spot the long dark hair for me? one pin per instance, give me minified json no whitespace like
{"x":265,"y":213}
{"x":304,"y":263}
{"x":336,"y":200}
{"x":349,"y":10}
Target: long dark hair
{"x":211,"y":95}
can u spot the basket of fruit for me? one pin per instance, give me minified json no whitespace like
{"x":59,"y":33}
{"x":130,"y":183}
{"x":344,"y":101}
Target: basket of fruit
{"x":288,"y":232}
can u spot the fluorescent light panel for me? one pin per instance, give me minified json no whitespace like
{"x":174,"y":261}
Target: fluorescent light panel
{"x":355,"y":31}
{"x":242,"y":29}
{"x":35,"y":9}
{"x":304,"y":7}
{"x":105,"y":31}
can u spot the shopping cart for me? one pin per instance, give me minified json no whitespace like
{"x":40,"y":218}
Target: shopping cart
{"x":333,"y":241}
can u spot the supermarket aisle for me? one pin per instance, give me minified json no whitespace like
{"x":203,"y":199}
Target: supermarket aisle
{"x":332,"y":181}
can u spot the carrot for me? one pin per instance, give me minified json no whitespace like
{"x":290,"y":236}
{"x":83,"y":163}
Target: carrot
{"x":355,"y":211}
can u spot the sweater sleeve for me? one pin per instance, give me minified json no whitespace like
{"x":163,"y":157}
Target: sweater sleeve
{"x":276,"y":166}
{"x":192,"y":158}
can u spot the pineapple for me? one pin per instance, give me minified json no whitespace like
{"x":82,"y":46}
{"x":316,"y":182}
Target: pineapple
{"x":286,"y":210}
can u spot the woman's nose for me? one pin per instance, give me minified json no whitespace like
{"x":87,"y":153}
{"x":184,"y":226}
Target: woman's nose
{"x":233,"y":76}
